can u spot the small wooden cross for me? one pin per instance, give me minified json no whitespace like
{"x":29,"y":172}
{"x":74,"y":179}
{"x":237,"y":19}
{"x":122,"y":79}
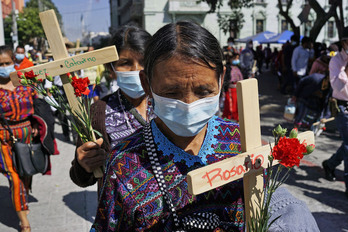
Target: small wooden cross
{"x":77,"y":49}
{"x":250,"y":164}
{"x":63,"y":64}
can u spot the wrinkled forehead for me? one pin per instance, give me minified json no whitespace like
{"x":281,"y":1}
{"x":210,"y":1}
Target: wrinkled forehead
{"x":181,"y":65}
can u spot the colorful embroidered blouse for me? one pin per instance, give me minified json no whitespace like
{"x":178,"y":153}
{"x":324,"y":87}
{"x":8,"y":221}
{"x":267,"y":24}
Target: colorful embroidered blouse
{"x":130,"y":198}
{"x":119,"y":121}
{"x":17,"y":105}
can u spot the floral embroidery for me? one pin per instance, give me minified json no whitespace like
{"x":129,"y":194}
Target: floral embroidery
{"x":168,"y":148}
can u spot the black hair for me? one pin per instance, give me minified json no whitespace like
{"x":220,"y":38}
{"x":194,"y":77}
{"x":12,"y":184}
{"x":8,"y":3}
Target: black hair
{"x":188,"y":40}
{"x":305,"y":40}
{"x":6,"y":49}
{"x":132,"y":38}
{"x":19,"y":46}
{"x":230,"y":39}
{"x":294,"y":38}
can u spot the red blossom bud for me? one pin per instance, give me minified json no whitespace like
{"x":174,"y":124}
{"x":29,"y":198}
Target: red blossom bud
{"x":293,"y":133}
{"x":48,"y":77}
{"x":310,"y":148}
{"x":20,"y":75}
{"x":69,"y":76}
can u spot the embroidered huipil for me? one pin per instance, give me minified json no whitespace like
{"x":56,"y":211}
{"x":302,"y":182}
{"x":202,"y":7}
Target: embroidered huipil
{"x":130,"y":199}
{"x":119,"y":121}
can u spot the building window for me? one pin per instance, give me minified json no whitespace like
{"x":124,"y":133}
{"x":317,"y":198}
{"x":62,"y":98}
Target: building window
{"x":259,"y":1}
{"x":284,"y":25}
{"x":284,"y":1}
{"x":259,"y":25}
{"x":330,"y":29}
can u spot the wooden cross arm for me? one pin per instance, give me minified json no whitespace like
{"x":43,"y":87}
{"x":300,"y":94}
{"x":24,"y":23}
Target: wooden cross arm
{"x":79,"y":49}
{"x":70,"y":64}
{"x":223,"y":172}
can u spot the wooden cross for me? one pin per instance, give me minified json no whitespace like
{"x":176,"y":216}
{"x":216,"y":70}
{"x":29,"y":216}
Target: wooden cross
{"x":77,"y":49}
{"x":250,"y":164}
{"x":63,"y":64}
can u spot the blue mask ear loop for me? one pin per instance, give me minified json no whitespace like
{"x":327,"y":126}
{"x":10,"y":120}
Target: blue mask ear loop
{"x":112,"y":66}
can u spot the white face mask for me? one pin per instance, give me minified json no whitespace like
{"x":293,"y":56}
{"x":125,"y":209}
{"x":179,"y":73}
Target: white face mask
{"x":130,"y":84}
{"x":184,"y":119}
{"x":5,"y":71}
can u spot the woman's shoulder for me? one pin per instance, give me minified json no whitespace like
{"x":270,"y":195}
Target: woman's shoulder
{"x":133,"y":145}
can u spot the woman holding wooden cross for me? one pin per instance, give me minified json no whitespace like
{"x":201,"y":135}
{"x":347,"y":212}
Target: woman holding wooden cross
{"x":144,"y":186}
{"x":120,"y":114}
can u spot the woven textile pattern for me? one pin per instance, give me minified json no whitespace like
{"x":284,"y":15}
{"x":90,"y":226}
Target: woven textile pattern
{"x":17,"y":105}
{"x":130,"y":198}
{"x":119,"y":121}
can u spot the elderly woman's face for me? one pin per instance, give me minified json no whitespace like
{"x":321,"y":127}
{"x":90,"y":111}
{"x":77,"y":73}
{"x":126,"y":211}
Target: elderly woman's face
{"x":186,"y":81}
{"x":5,"y":60}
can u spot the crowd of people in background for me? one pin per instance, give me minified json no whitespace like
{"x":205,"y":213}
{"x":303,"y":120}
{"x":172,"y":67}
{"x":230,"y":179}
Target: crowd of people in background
{"x":302,"y":68}
{"x":316,"y":86}
{"x":123,"y":109}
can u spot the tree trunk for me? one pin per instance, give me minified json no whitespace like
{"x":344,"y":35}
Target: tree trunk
{"x":287,"y":17}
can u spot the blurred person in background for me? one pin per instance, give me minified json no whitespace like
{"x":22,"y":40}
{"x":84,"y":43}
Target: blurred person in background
{"x":232,"y":76}
{"x":21,"y":61}
{"x":339,"y":78}
{"x":247,"y":60}
{"x":17,"y":108}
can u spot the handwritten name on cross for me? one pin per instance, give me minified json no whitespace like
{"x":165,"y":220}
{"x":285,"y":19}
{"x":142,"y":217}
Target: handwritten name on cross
{"x":250,"y":164}
{"x":63,"y":63}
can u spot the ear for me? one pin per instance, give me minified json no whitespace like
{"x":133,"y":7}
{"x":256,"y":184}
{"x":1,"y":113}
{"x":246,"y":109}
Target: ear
{"x":223,"y":76}
{"x":145,"y":83}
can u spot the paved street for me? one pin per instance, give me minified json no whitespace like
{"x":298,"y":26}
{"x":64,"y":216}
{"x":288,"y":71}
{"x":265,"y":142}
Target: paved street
{"x":56,"y":204}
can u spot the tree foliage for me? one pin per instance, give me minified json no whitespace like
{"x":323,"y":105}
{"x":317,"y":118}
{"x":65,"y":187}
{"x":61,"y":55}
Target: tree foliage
{"x":29,"y":26}
{"x":236,"y":14}
{"x":45,"y":5}
{"x":322,"y":15}
{"x":225,"y":21}
{"x":321,"y":18}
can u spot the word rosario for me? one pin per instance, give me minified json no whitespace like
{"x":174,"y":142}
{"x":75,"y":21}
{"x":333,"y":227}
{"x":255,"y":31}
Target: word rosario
{"x":225,"y":175}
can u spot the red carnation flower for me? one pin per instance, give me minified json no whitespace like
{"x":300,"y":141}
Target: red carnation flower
{"x":289,"y":151}
{"x":80,"y":86}
{"x":20,"y":75}
{"x":30,"y":75}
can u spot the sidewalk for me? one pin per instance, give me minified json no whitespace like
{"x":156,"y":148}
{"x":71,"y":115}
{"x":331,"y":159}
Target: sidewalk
{"x":57,"y":205}
{"x":325,"y":199}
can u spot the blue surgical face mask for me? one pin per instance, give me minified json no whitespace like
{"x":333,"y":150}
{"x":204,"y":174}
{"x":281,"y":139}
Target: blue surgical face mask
{"x":20,"y":56}
{"x":129,"y":83}
{"x":5,"y":71}
{"x":184,"y":119}
{"x":235,"y":62}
